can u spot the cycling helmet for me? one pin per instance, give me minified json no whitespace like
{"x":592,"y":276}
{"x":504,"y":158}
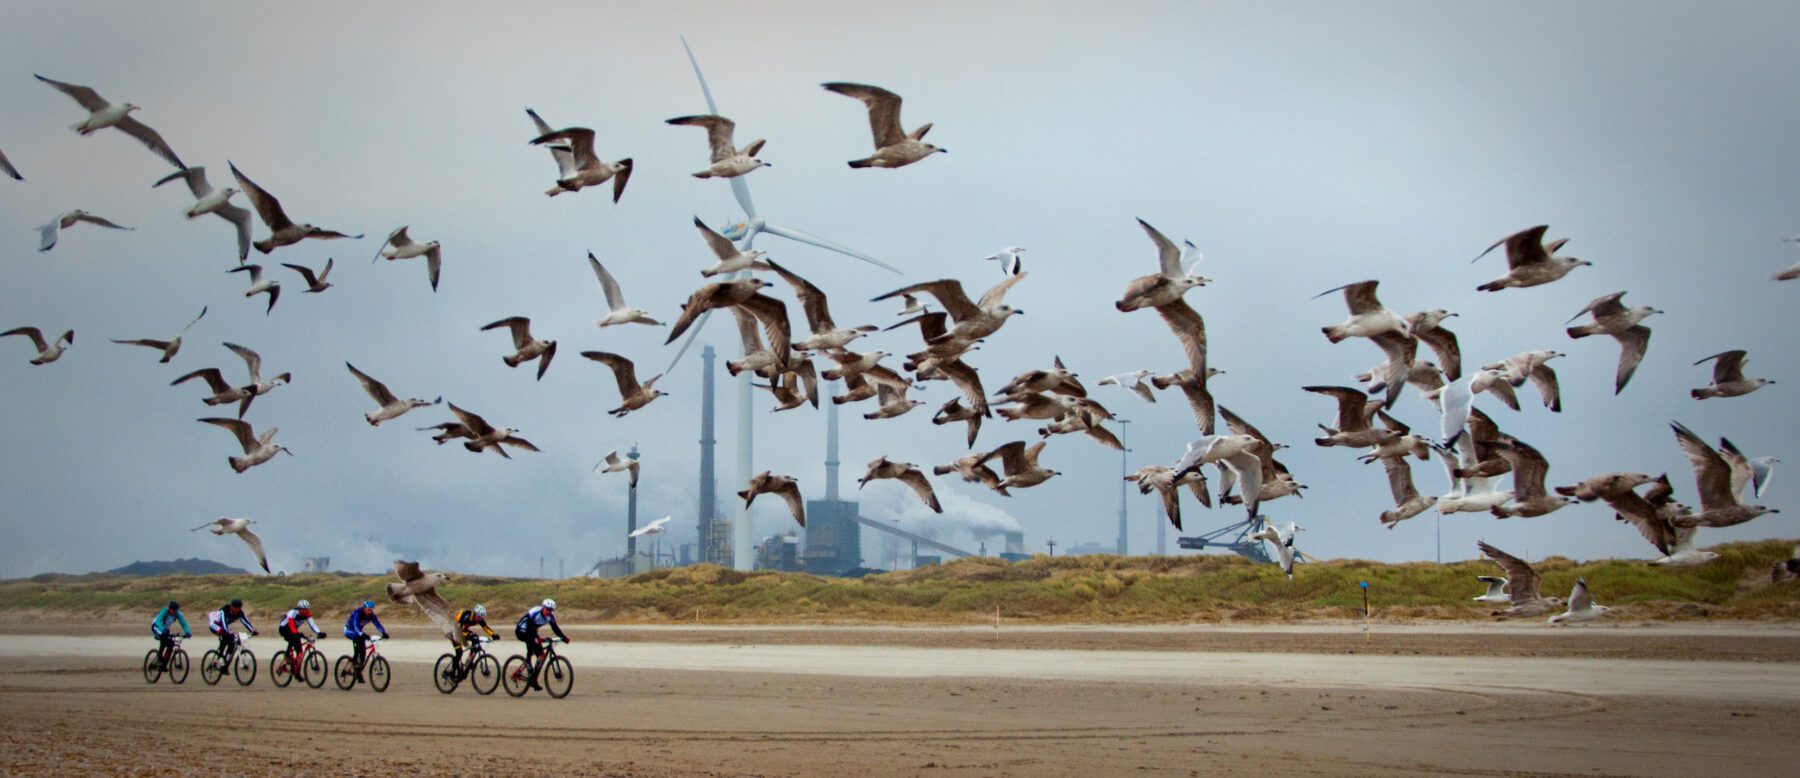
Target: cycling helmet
{"x":368,"y":603}
{"x":236,"y":603}
{"x":549,"y":605}
{"x":481,"y":610}
{"x":303,"y":605}
{"x":175,"y":606}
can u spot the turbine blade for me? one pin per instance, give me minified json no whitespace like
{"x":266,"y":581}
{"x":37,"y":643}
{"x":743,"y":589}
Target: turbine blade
{"x":814,"y":240}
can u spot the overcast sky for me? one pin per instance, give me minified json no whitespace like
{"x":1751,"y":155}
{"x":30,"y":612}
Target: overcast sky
{"x":1302,"y":146}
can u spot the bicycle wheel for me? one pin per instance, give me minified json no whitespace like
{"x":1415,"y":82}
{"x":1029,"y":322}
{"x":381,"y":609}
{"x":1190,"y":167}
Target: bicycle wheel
{"x":281,"y":669}
{"x":378,"y":673}
{"x":312,"y":669}
{"x":443,"y":674}
{"x":516,"y":676}
{"x":178,"y":666}
{"x":212,"y":667}
{"x":345,"y":673}
{"x":152,"y":667}
{"x":559,"y":677}
{"x":485,"y":675}
{"x":244,"y":667}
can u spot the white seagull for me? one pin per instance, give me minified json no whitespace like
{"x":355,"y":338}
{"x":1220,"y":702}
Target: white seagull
{"x":392,"y":407}
{"x":48,"y":234}
{"x":1284,"y":545}
{"x":400,"y":246}
{"x":240,"y":528}
{"x":257,"y":450}
{"x":1010,"y":263}
{"x":1496,"y":590}
{"x":731,"y":259}
{"x":617,"y":464}
{"x":217,"y":203}
{"x":102,"y":114}
{"x":1581,"y":606}
{"x":617,"y":311}
{"x":260,"y":285}
{"x":657,"y":527}
{"x":47,"y":352}
{"x":167,"y":347}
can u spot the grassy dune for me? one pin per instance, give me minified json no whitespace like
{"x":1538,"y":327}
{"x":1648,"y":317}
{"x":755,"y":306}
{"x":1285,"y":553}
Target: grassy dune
{"x":1100,"y":589}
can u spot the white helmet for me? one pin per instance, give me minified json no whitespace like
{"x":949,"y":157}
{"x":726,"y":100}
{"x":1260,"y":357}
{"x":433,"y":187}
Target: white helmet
{"x":549,"y":605}
{"x":303,"y":605}
{"x":481,"y":610}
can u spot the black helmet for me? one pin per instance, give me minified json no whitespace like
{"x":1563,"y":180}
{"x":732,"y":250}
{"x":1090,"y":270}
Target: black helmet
{"x":174,"y":606}
{"x":237,"y":603}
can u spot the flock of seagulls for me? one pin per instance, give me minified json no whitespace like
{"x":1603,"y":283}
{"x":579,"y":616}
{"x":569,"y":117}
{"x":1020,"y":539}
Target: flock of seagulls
{"x":951,"y":326}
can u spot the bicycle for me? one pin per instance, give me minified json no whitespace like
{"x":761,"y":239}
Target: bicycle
{"x":555,"y":673}
{"x":237,"y":658}
{"x":310,"y":668}
{"x":479,"y":667}
{"x":176,"y":665}
{"x":374,"y":664}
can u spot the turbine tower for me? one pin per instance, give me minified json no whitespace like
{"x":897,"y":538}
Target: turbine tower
{"x":743,"y":554}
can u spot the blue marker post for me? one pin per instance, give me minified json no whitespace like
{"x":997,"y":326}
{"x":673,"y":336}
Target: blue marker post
{"x":1365,"y":593}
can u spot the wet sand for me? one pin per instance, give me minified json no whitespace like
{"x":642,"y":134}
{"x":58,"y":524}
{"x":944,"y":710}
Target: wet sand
{"x":728,"y":701}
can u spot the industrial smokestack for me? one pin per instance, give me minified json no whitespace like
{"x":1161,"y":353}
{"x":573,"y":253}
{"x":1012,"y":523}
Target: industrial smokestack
{"x":831,"y":449}
{"x":708,"y":500}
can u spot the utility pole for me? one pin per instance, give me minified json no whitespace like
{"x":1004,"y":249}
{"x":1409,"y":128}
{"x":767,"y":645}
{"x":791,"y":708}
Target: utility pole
{"x":1052,"y":544}
{"x":1124,"y":468}
{"x":559,"y":567}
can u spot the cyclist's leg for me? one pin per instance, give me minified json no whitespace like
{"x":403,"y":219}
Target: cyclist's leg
{"x":226,"y":639}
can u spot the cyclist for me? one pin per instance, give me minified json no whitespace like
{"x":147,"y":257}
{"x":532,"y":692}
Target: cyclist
{"x":159,"y":629}
{"x":526,"y":632}
{"x":290,"y":629}
{"x":219,"y":623}
{"x":353,"y":629}
{"x":466,"y":623}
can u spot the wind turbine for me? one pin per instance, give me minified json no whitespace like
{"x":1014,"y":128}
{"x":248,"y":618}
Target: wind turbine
{"x":744,"y":234}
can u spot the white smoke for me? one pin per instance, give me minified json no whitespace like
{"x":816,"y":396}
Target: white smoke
{"x":962,"y":514}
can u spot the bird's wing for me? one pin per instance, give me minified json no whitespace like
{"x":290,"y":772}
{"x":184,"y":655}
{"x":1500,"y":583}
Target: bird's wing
{"x":1361,"y":297}
{"x":1190,"y":329}
{"x":265,"y":204}
{"x":150,"y":139}
{"x":1605,"y":305}
{"x":92,"y":219}
{"x":1200,"y":401}
{"x":439,"y":611}
{"x":772,"y":313}
{"x":718,"y":134}
{"x":997,"y":294}
{"x":615,"y":299}
{"x":790,"y":493}
{"x":1544,"y":378}
{"x":214,"y":379}
{"x":245,"y":435}
{"x":1712,"y":476}
{"x":194,"y":177}
{"x":1730,"y":366}
{"x":478,"y":426}
{"x":949,"y":293}
{"x":1168,"y":255}
{"x":518,"y":325}
{"x":36,"y":336}
{"x":624,"y":372}
{"x":1449,"y":353}
{"x":6,"y":166}
{"x":581,"y":147}
{"x":1400,"y":481}
{"x":398,"y":238}
{"x":159,"y":345}
{"x":921,"y":487}
{"x":251,"y":359}
{"x":518,"y":442}
{"x":239,"y":218}
{"x":968,"y":380}
{"x":1011,"y":455}
{"x":565,"y":159}
{"x":1638,"y":512}
{"x":1528,"y":468}
{"x":1527,"y":247}
{"x":1352,"y":415}
{"x":86,"y":96}
{"x":305,"y":272}
{"x":884,"y":111}
{"x":1632,"y":345}
{"x":255,"y":543}
{"x":47,"y":234}
{"x":376,"y":389}
{"x":748,"y":335}
{"x":1523,"y":579}
{"x":1248,"y":468}
{"x":1763,"y":469}
{"x":812,"y":299}
{"x":722,"y":247}
{"x":1579,"y":598}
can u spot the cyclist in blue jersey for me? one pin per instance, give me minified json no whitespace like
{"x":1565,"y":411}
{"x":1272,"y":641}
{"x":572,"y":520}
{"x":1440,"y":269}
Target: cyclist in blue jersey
{"x":353,"y":629}
{"x":159,"y":629}
{"x":527,"y":632}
